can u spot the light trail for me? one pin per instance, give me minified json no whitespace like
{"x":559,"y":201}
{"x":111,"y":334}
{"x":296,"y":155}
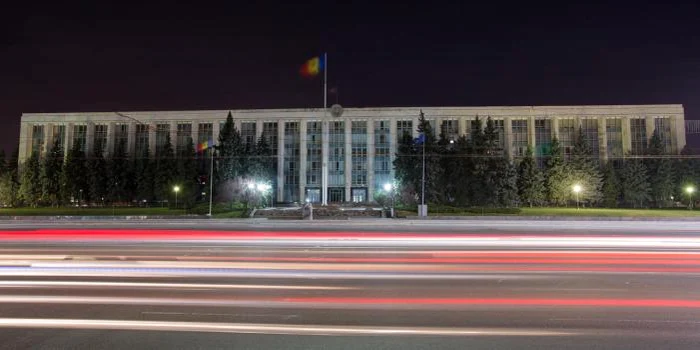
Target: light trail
{"x":51,"y":284}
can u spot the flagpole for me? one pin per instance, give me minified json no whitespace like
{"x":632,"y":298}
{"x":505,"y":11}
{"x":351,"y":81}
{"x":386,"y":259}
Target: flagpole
{"x":211,"y":180}
{"x":324,"y":161}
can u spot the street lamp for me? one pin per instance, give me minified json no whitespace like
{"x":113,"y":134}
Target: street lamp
{"x":690,"y":190}
{"x":176,"y":189}
{"x":577,"y":190}
{"x":389,"y":189}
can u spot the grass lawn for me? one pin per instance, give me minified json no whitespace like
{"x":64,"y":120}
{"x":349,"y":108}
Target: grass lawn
{"x":234,"y":214}
{"x":599,"y":212}
{"x":108,"y":211}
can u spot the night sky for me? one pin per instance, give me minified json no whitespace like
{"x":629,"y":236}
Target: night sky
{"x":165,"y":56}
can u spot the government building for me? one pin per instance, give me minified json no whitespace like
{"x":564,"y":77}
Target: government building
{"x":346,"y":154}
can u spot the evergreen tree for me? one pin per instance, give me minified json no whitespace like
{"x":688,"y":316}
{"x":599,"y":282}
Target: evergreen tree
{"x":97,"y":174}
{"x":166,"y":168}
{"x":10,"y":180}
{"x":118,"y":174}
{"x":144,"y":171}
{"x":74,"y":174}
{"x":407,"y":168}
{"x":3,"y":162}
{"x":262,"y":163}
{"x":661,"y":172}
{"x":506,"y":183}
{"x":687,"y":172}
{"x":51,"y":175}
{"x":558,"y":179}
{"x":448,"y":165}
{"x":530,"y":180}
{"x":635,"y":183}
{"x":458,"y":175}
{"x":584,"y":171}
{"x":30,"y":188}
{"x":480,"y":186}
{"x":231,"y":151}
{"x":611,"y":187}
{"x":432,"y":160}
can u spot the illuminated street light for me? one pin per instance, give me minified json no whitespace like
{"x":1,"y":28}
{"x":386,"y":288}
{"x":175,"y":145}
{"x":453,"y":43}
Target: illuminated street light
{"x":389,"y":188}
{"x":251,"y":186}
{"x":690,"y":190}
{"x":577,"y":190}
{"x":176,"y":189}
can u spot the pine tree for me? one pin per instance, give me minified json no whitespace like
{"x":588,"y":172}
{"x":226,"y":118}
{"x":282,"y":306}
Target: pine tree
{"x":459,"y":174}
{"x":661,"y":172}
{"x":635,"y":183}
{"x":166,"y":167}
{"x":51,"y":175}
{"x":687,"y":172}
{"x":231,"y":151}
{"x":118,"y":174}
{"x":144,"y":171}
{"x":407,"y":168}
{"x":530,"y":180}
{"x":584,"y":171}
{"x":432,"y":161}
{"x":480,"y":187}
{"x":558,"y":180}
{"x":187,"y":174}
{"x":97,"y":174}
{"x":30,"y":188}
{"x":10,"y":181}
{"x":74,"y":174}
{"x":611,"y":187}
{"x":507,"y":183}
{"x":3,"y":162}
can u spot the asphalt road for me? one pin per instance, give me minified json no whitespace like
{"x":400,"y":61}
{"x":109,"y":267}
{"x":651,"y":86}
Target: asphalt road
{"x":368,"y":285}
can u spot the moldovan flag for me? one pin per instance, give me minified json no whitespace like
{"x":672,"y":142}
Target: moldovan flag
{"x":204,"y":145}
{"x":312,"y":67}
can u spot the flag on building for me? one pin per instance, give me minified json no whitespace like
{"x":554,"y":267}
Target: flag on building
{"x":312,"y":67}
{"x":204,"y":145}
{"x":419,"y":140}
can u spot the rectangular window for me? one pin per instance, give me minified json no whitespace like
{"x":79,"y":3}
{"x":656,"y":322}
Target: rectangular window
{"x":248,"y":134}
{"x":638,"y":135}
{"x":313,"y":153}
{"x":382,"y":155}
{"x":80,"y":136}
{"x":543,"y":140}
{"x":403,"y":127}
{"x":359,"y":153}
{"x":162,"y":134}
{"x":38,"y":139}
{"x":519,"y":129}
{"x":336,"y":154}
{"x":291,"y":161}
{"x":184,"y":136}
{"x":662,"y":126}
{"x":613,"y":131}
{"x":121,"y":137}
{"x":589,"y":128}
{"x":59,"y":134}
{"x":141,"y":139}
{"x":567,"y":136}
{"x":450,"y":129}
{"x":100,"y":137}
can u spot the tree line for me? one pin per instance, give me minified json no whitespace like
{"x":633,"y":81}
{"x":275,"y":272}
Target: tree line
{"x":74,"y":178}
{"x":474,"y":171}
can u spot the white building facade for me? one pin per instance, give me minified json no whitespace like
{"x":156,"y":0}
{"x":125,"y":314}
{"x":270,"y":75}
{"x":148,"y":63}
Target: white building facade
{"x":344,"y":155}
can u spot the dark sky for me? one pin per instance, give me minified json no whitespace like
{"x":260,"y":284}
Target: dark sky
{"x":165,"y":56}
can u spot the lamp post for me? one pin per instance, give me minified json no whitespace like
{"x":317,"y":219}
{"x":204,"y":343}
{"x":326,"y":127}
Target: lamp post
{"x":176,"y":189}
{"x":389,"y":188}
{"x":577,"y":190}
{"x":690,"y":190}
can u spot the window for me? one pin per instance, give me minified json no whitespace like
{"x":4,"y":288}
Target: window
{"x":248,"y":134}
{"x":162,"y":135}
{"x":59,"y":135}
{"x":638,"y":135}
{"x":613,"y":131}
{"x":336,"y":154}
{"x":291,"y":161}
{"x":450,"y":128}
{"x":336,"y":195}
{"x":38,"y":139}
{"x":313,"y":153}
{"x":184,"y":136}
{"x":519,"y":139}
{"x":403,"y":127}
{"x":382,"y":154}
{"x":543,"y":141}
{"x":662,"y":126}
{"x":80,"y":137}
{"x":589,"y":128}
{"x":567,"y":136}
{"x":100,"y":137}
{"x":141,"y":139}
{"x":359,"y":153}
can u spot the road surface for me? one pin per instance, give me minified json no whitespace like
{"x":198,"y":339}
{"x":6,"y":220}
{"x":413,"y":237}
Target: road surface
{"x":384,"y":285}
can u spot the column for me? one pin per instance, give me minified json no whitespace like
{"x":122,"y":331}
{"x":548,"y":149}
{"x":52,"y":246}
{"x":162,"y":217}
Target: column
{"x":173,"y":135}
{"x":508,"y":137}
{"x":414,"y":125}
{"x":531,"y":136}
{"x":68,"y":142}
{"x":25,"y":139}
{"x":131,"y":140}
{"x":48,"y":137}
{"x":555,"y":128}
{"x":303,"y":153}
{"x":649,"y":121}
{"x":678,"y":132}
{"x":371,"y":149}
{"x":603,"y":139}
{"x":626,"y":136}
{"x":462,"y":124}
{"x":348,"y":160}
{"x":393,"y":146}
{"x":215,"y":129}
{"x":280,"y":161}
{"x":152,"y":127}
{"x":324,"y":162}
{"x":89,"y":138}
{"x":195,"y":133}
{"x":258,"y":129}
{"x":110,"y":138}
